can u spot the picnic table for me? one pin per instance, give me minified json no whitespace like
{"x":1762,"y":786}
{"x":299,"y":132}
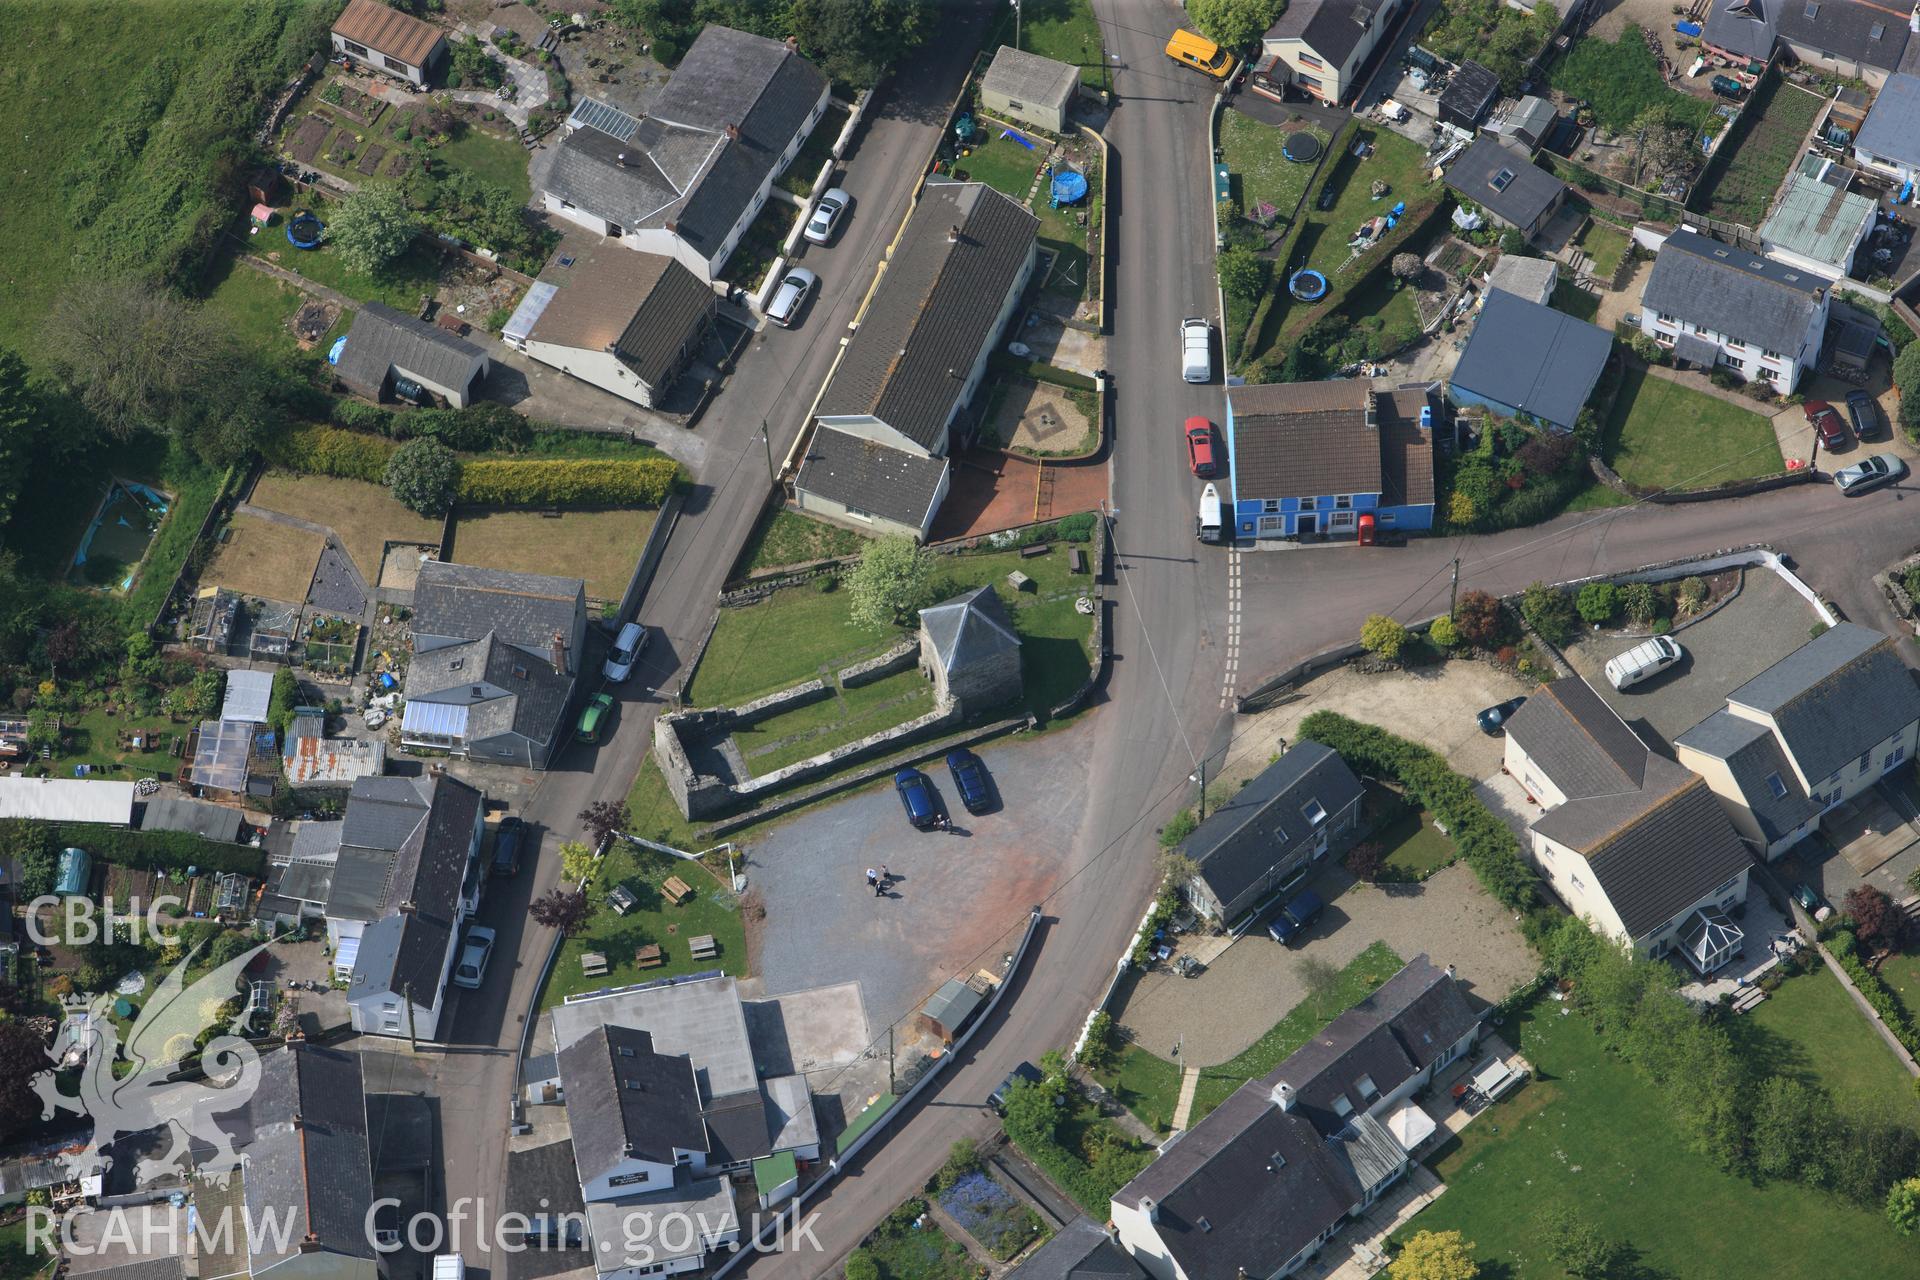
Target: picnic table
{"x":703,"y":947}
{"x":677,"y":890}
{"x":622,"y":900}
{"x":593,"y":964}
{"x":649,"y":956}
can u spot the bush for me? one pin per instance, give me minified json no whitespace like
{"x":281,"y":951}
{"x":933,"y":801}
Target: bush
{"x":1382,"y":636}
{"x":1877,"y":994}
{"x":1647,"y":349}
{"x":424,"y":475}
{"x":330,"y":451}
{"x":1548,"y":611}
{"x":568,"y":482}
{"x":1477,"y":616}
{"x":1598,"y":602}
{"x":1443,"y":632}
{"x":1641,"y":602}
{"x":358,"y":415}
{"x":1690,"y":596}
{"x":283,"y":699}
{"x":1245,"y":274}
{"x":1366,"y":859}
{"x":159,"y":850}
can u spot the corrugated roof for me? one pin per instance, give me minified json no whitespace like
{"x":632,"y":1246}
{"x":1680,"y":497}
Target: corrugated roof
{"x":177,"y":813}
{"x":1817,"y":220}
{"x":387,"y":31}
{"x":66,"y":800}
{"x":248,"y":695}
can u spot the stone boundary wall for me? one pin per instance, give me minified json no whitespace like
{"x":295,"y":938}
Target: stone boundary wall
{"x":893,"y":661}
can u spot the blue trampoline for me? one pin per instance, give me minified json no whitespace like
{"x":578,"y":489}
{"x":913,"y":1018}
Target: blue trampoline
{"x":304,"y":231}
{"x":1068,"y":186}
{"x":1307,"y":286}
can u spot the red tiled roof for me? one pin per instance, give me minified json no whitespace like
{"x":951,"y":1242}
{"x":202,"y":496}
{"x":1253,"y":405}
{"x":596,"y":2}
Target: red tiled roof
{"x":399,"y":36}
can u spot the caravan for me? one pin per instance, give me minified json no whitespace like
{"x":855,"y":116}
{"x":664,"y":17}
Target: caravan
{"x":1206,"y":526}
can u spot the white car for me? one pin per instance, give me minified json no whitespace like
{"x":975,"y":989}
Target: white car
{"x":826,"y":216}
{"x":627,"y":648}
{"x":791,"y":295}
{"x":473,"y":958}
{"x":1869,"y":474}
{"x":1196,"y":350}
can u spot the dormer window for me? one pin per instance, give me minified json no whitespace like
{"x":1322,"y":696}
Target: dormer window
{"x":1366,"y":1088}
{"x":456,"y":664}
{"x":1341,"y":1107}
{"x":1313,"y":813}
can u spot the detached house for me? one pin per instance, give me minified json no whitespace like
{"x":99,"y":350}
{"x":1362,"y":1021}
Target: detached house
{"x":1329,"y":459}
{"x":1260,"y":1185}
{"x":388,"y":40}
{"x":1807,"y":734}
{"x":1502,"y":179}
{"x":1267,"y":837}
{"x":1715,"y":304}
{"x":686,"y":179}
{"x":1857,"y":39}
{"x":877,"y":457}
{"x":492,"y":673}
{"x":1889,"y":141}
{"x":1633,"y":843}
{"x":1324,"y":43}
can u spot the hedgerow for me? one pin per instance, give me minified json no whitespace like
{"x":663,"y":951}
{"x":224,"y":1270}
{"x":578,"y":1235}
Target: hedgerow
{"x":568,"y":482}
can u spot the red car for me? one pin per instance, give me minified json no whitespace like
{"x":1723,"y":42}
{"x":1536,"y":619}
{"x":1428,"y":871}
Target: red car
{"x":1832,"y":430}
{"x":1200,"y":447}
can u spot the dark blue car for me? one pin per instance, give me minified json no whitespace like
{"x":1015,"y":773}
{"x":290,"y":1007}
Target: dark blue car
{"x":969,"y":779}
{"x":1292,"y":920}
{"x":916,"y":796}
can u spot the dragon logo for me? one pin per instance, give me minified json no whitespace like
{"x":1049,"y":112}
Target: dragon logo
{"x":133,"y":1088}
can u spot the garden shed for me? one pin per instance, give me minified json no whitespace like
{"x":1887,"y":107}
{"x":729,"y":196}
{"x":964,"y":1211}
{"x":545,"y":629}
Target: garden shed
{"x":1470,"y":94}
{"x":951,"y":1009}
{"x":76,"y":870}
{"x":1029,"y":88}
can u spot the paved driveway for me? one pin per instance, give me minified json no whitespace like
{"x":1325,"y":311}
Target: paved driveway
{"x":957,"y":898}
{"x":1255,"y":981}
{"x":1766,"y":622}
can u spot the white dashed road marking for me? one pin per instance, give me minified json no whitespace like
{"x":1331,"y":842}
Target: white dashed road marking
{"x":1230,"y":674}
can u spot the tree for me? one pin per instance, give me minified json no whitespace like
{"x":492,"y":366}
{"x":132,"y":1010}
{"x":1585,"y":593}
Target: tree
{"x":857,"y":42}
{"x":19,"y":427}
{"x":1244,"y":273}
{"x":1880,"y":923}
{"x":1435,"y":1255}
{"x":1177,"y":870}
{"x":1641,"y":602}
{"x":576,"y":862}
{"x":470,"y":65}
{"x":1408,"y":267}
{"x":1101,"y":1042}
{"x":861,"y":1266}
{"x":1234,"y":24}
{"x":1549,"y":612}
{"x":892,"y":581}
{"x":138,"y":357}
{"x":1906,"y":379}
{"x":1444,"y":632}
{"x":1382,"y":636}
{"x":604,"y":818}
{"x":1320,"y":979}
{"x":23,"y":1055}
{"x":1477,"y":615}
{"x":1577,"y":1247}
{"x":1366,"y":860}
{"x":424,"y":475}
{"x":372,"y":227}
{"x":1903,"y":1206}
{"x":1598,"y":602}
{"x":562,"y":909}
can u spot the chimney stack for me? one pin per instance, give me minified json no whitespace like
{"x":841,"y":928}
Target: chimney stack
{"x":1282,"y":1095}
{"x":1450,"y":971}
{"x":953,"y":234}
{"x":406,"y":908}
{"x":733,"y":133}
{"x":621,"y":159}
{"x":559,"y":653}
{"x":1150,"y":1208}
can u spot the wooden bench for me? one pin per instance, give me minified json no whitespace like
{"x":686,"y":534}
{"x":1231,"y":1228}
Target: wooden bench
{"x":649,"y":956}
{"x":1029,"y":552}
{"x":703,"y":947}
{"x":1076,"y":560}
{"x":593,"y":964}
{"x":676,"y":890}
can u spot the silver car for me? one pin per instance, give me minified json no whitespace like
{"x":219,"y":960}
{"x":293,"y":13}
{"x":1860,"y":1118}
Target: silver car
{"x":791,"y":295}
{"x":826,"y":216}
{"x":1869,"y":474}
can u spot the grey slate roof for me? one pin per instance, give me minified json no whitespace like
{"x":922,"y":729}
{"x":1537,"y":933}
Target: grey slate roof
{"x":379,"y":844}
{"x":641,"y":306}
{"x":1303,"y":439}
{"x":1470,"y":93}
{"x":1262,"y":822}
{"x":936,"y":308}
{"x":1753,"y":755}
{"x":1029,"y":77}
{"x":732,"y":77}
{"x":506,"y":689}
{"x":1892,"y":130}
{"x":177,"y":813}
{"x":305,"y":1146}
{"x":1578,"y":740}
{"x":625,"y":1100}
{"x":634,"y":182}
{"x":1526,"y":192}
{"x":1839,"y":694}
{"x":894,"y":484}
{"x":1081,"y":1250}
{"x":382,"y":340}
{"x":1692,"y":348}
{"x":1331,"y":28}
{"x":1729,"y":290}
{"x":1852,"y":30}
{"x":524,"y":609}
{"x":1541,"y":361}
{"x":425,"y":873}
{"x":1225,"y":1201}
{"x":736,"y":1128}
{"x":969,"y":628}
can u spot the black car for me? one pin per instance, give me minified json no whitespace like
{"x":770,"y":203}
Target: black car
{"x":969,"y":779}
{"x":506,"y":846}
{"x":1864,"y":414}
{"x":916,"y":797}
{"x":1025,"y":1071}
{"x":1493,"y":721}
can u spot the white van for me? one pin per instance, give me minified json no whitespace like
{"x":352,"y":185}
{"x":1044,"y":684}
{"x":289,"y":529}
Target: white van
{"x":1646,"y":659}
{"x":449,"y":1266}
{"x":1196,"y":350}
{"x":1206,"y":525}
{"x":627,"y":648}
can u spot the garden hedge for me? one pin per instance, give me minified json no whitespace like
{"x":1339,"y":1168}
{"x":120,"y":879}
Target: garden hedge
{"x":568,"y":482}
{"x":333,"y":451}
{"x":1487,"y":844}
{"x":161,"y":850}
{"x":1875,"y":990}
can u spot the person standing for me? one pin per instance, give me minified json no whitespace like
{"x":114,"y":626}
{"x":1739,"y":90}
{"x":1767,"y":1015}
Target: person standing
{"x":873,"y":881}
{"x":886,"y":876}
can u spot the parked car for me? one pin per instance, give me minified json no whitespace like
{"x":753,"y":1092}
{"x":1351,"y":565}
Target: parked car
{"x":916,"y":797}
{"x":1642,"y":662}
{"x":1196,"y":350}
{"x":1493,"y":721}
{"x":826,"y":216}
{"x":1832,"y":431}
{"x":593,"y":721}
{"x":627,"y":648}
{"x":506,"y":846}
{"x":1292,"y":920}
{"x":1026,"y":1071}
{"x":1869,"y":474}
{"x":969,"y":779}
{"x":791,"y":295}
{"x":1199,"y":433}
{"x":473,"y":958}
{"x":1863,"y":413}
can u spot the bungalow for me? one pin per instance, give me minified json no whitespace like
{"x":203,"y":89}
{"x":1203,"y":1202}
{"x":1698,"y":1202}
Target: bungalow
{"x":388,"y":40}
{"x":1819,"y":225}
{"x":1260,"y":1185}
{"x":1300,"y":809}
{"x":1807,"y":734}
{"x":877,"y":456}
{"x":686,"y":179}
{"x":1633,"y":843}
{"x":1529,"y":361}
{"x":1856,"y":39}
{"x":1329,"y":459}
{"x":1323,"y":44}
{"x":1889,"y":141}
{"x":626,"y":322}
{"x":1500,"y":178}
{"x":387,"y":352}
{"x":1713,"y":304}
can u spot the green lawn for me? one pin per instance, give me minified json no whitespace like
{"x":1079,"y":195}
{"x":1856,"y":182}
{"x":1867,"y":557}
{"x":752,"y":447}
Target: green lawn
{"x":257,"y":307}
{"x":1663,"y":435}
{"x":1901,"y":972}
{"x":1001,"y":163}
{"x":814,"y":152}
{"x":1145,"y":1084}
{"x":1809,"y":1028}
{"x":1415,"y":848}
{"x":1064,"y":231}
{"x":490,"y":157}
{"x":400,"y":286}
{"x":18,"y":1261}
{"x":1575,"y":301}
{"x":93,"y":738}
{"x":1606,"y":245}
{"x":1780,"y":116}
{"x":1066,"y":31}
{"x":847,"y":716}
{"x":653,"y":815}
{"x":1589,"y":1133}
{"x":1621,"y":81}
{"x":1251,"y":151}
{"x":712,"y":910}
{"x":785,"y":538}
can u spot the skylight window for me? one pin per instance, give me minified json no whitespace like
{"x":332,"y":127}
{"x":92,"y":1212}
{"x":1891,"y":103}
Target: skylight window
{"x":1313,"y":812}
{"x":1877,"y":30}
{"x":1813,"y":9}
{"x":1775,"y":785}
{"x":1500,"y":180}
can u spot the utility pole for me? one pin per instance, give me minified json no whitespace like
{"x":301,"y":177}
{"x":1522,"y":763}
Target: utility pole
{"x":890,"y":1088}
{"x":1453,"y":594}
{"x":1201,"y":776}
{"x":406,"y":993}
{"x":1016,"y":23}
{"x":767,"y":443}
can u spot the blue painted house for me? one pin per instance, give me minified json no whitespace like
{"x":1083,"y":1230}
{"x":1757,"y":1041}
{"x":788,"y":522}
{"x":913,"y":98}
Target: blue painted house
{"x":1328,"y":460}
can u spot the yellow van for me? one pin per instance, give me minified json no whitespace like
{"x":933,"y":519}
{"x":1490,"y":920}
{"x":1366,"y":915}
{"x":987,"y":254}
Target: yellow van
{"x":1191,"y":49}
